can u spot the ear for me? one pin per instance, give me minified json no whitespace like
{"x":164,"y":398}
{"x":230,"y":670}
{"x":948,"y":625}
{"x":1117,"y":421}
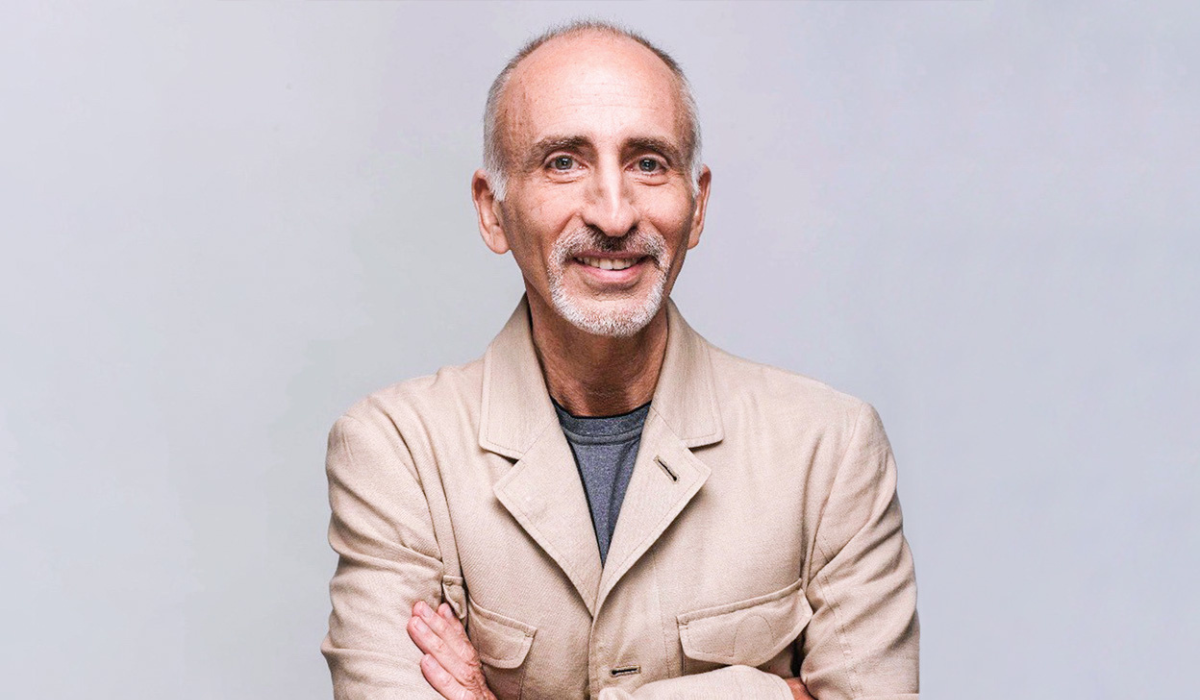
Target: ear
{"x":701,"y":207}
{"x":487,"y":207}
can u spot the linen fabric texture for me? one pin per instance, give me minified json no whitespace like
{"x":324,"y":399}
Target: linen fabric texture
{"x":760,"y":537}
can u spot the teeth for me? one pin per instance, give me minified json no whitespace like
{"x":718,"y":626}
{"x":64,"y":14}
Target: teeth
{"x":607,"y":263}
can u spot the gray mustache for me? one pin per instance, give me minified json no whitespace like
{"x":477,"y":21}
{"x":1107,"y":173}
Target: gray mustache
{"x":638,"y":243}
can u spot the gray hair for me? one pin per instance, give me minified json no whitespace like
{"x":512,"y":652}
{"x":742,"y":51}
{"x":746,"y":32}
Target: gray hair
{"x":493,"y":150}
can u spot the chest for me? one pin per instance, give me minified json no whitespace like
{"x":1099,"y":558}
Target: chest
{"x":720,"y":584}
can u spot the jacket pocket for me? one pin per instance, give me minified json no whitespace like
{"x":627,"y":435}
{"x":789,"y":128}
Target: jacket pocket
{"x":502,"y":643}
{"x":750,"y":632}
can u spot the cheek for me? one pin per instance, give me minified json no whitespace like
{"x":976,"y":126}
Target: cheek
{"x":671,"y":204}
{"x":534,"y":225}
{"x":672,"y":217}
{"x":552,"y":211}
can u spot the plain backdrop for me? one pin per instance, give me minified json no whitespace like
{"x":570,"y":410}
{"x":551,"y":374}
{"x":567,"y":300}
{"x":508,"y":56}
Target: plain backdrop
{"x":222,"y":223}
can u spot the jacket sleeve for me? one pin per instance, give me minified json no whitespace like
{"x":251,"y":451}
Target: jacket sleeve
{"x":388,"y":558}
{"x":862,"y":641}
{"x":729,"y":683}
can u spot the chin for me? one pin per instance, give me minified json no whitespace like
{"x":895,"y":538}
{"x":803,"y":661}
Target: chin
{"x":617,"y":319}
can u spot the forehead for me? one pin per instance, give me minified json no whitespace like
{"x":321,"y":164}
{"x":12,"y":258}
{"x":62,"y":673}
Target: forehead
{"x":593,"y":85}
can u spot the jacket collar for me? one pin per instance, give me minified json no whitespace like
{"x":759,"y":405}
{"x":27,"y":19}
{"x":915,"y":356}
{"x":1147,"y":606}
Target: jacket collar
{"x":516,"y":403}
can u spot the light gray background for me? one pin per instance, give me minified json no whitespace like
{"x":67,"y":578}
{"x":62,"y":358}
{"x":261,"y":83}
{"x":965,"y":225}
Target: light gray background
{"x":224,"y":222}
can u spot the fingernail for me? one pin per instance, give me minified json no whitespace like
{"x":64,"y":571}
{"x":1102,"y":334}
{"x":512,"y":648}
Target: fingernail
{"x":422,"y":609}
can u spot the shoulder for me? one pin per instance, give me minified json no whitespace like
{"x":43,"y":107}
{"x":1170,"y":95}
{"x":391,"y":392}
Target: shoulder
{"x":783,"y":417}
{"x":746,"y":388}
{"x":451,"y":392}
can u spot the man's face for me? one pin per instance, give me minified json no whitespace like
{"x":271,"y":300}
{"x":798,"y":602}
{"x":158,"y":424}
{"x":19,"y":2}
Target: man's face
{"x":599,"y":208}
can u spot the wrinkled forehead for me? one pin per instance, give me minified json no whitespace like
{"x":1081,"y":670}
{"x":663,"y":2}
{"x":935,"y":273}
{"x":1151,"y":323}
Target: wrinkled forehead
{"x":595,"y":85}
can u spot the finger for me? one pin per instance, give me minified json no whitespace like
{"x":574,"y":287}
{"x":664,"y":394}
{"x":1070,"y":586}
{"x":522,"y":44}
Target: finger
{"x":799,"y":690}
{"x":451,"y":631}
{"x":448,"y":658}
{"x":455,"y":635}
{"x":442,"y":681}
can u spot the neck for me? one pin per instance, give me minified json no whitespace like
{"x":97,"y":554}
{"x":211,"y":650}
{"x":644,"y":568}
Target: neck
{"x":593,"y":375}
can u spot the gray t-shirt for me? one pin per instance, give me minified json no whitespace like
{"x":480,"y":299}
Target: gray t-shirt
{"x":605,"y":450}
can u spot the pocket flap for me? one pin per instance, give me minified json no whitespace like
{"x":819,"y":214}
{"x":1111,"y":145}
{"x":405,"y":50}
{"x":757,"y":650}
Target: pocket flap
{"x":501,"y":641}
{"x":750,"y":632}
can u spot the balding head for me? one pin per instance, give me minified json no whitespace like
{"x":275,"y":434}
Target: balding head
{"x":625,"y":50}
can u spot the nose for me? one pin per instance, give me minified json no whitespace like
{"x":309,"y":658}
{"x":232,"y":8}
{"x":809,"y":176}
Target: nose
{"x":610,"y":207}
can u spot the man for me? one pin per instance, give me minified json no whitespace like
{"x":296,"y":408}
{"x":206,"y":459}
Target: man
{"x":605,"y":505}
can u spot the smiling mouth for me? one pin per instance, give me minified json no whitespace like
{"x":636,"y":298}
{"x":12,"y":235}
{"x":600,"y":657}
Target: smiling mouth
{"x":610,"y":263}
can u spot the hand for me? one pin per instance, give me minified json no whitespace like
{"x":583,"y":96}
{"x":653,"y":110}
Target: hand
{"x":451,"y":664}
{"x":799,"y":692}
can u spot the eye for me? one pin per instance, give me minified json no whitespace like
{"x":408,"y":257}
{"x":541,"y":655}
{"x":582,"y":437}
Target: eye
{"x":562,"y":163}
{"x":649,"y":165}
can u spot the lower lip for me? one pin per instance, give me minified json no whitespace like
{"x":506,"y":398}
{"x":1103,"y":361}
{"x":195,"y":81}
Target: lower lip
{"x":612,"y":276}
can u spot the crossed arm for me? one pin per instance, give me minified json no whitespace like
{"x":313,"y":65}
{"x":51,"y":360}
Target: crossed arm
{"x":451,"y":665}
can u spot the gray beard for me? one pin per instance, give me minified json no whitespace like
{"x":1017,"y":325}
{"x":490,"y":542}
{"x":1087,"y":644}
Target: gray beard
{"x":620,"y":322}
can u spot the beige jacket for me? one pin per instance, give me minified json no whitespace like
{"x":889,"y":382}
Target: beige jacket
{"x":760,"y":536}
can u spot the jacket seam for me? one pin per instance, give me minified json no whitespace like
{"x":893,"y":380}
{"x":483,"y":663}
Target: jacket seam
{"x":822,"y":576}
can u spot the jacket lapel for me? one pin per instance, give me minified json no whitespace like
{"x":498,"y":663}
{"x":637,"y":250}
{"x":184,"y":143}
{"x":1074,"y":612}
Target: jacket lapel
{"x":665,"y":478}
{"x":545,"y":495}
{"x":543,"y":491}
{"x":683,"y":414}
